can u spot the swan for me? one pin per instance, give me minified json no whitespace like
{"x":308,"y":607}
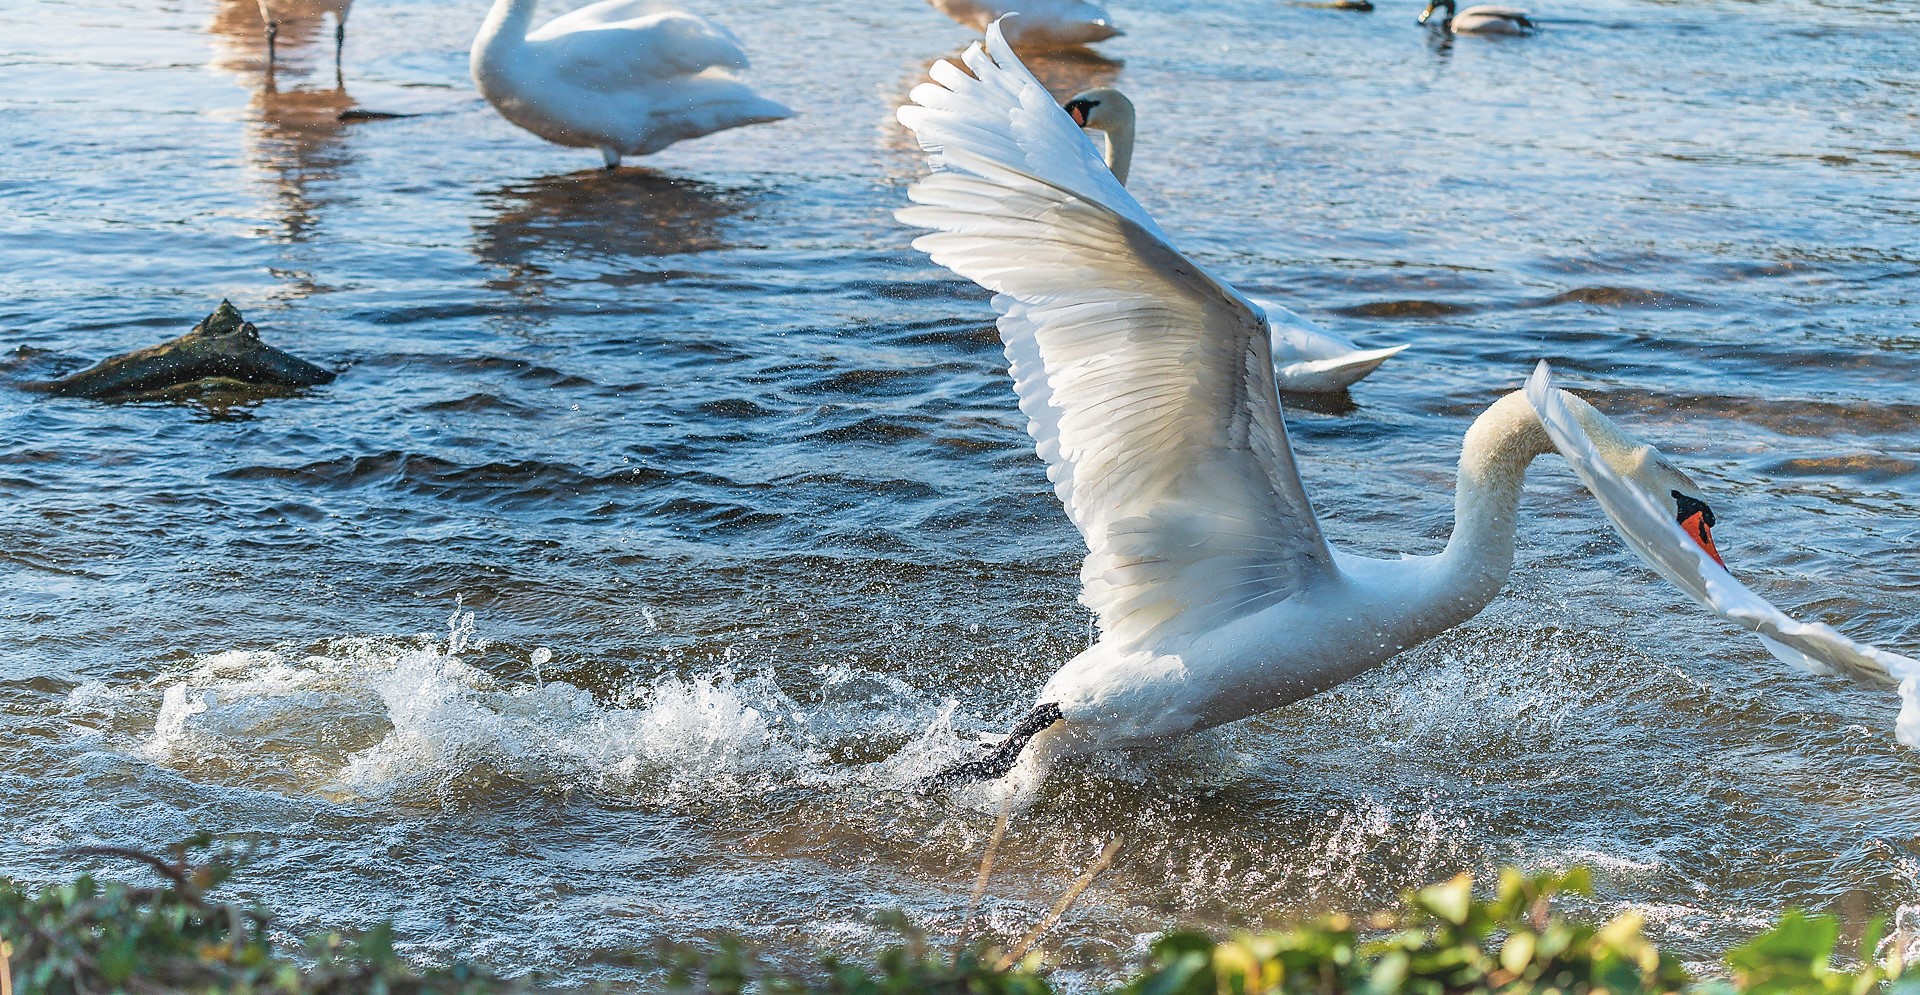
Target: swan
{"x":1482,"y":19}
{"x":1308,"y":359}
{"x":622,"y":76}
{"x":1148,"y":393}
{"x":272,"y":12}
{"x":1041,"y":24}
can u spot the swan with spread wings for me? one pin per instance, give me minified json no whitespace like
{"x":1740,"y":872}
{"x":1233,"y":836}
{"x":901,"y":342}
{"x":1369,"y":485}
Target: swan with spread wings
{"x":1150,"y":395}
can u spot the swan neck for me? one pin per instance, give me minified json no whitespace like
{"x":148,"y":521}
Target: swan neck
{"x":1493,"y":465}
{"x":504,"y":29}
{"x":1120,"y":147}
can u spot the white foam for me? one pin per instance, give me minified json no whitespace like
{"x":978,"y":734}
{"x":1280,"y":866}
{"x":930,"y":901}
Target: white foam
{"x":412,"y":721}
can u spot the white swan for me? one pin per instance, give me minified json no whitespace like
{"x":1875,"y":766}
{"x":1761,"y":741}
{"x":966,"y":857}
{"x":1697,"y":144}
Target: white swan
{"x":622,"y":76}
{"x":1308,"y":359}
{"x":274,"y":11}
{"x":1148,"y":392}
{"x":1041,"y":24}
{"x":1483,"y":19}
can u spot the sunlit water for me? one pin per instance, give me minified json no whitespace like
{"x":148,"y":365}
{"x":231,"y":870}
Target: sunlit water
{"x":748,"y":471}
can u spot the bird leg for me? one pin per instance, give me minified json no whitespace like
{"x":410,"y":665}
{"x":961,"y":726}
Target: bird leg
{"x":339,"y":43}
{"x":273,"y":32}
{"x":611,"y":155}
{"x":1003,"y":756}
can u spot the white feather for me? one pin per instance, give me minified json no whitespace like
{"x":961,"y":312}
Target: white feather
{"x":1146,"y":381}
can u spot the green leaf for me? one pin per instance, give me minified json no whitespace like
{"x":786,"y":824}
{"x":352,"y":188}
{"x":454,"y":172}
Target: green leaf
{"x":1449,"y":901}
{"x":1517,"y":952}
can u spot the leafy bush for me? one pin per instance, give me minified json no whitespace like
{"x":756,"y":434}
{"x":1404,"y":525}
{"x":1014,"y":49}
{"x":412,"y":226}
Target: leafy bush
{"x":90,"y":937}
{"x":87,"y":936}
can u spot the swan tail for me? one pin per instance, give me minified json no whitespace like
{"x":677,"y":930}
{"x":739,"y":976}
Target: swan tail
{"x":1001,"y":758}
{"x":1336,"y":374}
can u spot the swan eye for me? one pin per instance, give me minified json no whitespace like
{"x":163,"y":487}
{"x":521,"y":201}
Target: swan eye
{"x":1696,"y":520}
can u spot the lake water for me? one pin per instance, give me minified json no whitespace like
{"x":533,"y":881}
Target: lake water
{"x":747,"y":469}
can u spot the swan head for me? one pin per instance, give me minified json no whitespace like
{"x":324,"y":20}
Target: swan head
{"x":1652,"y":470}
{"x":1104,"y":109}
{"x":1433,"y":5}
{"x":1109,"y":112}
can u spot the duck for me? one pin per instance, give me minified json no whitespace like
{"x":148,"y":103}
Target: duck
{"x":1481,"y":19}
{"x":1041,"y":24}
{"x":1307,"y":358}
{"x":621,"y":76}
{"x":1146,"y":387}
{"x":273,"y":12}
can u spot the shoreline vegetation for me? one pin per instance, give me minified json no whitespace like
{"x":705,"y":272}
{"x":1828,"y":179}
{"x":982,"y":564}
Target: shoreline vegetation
{"x":91,"y":936}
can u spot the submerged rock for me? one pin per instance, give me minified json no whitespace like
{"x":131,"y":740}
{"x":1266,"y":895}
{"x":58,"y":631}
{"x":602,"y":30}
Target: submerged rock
{"x":223,"y":350}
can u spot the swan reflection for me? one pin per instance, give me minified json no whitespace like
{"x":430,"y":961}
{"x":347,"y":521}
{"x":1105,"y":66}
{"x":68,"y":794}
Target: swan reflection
{"x":296,"y":141}
{"x":1070,"y":71}
{"x":594,"y":225}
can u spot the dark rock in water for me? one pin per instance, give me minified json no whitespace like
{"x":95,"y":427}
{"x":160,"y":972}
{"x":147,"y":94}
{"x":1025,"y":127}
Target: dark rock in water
{"x":224,"y":349}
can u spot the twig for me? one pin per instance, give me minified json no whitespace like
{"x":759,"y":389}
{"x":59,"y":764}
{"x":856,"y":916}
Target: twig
{"x":1052,"y":918}
{"x":986,"y":870}
{"x":177,"y":873}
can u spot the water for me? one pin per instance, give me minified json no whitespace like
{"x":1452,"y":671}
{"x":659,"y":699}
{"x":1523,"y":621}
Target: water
{"x":661,"y":525}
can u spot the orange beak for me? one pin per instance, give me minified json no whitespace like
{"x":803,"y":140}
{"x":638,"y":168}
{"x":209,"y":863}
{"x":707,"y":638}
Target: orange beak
{"x":1078,"y":114}
{"x":1696,"y":526}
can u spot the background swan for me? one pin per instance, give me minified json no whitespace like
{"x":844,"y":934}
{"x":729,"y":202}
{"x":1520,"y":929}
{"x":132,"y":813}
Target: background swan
{"x":1040,"y":24}
{"x":1149,"y":396}
{"x":1307,"y":358}
{"x":622,"y":76}
{"x":275,"y":11}
{"x":1482,"y":19}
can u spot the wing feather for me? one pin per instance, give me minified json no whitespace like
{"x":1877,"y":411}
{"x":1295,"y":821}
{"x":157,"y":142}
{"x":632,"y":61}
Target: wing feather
{"x":1146,"y":381}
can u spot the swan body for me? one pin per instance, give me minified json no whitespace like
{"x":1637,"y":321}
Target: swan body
{"x":1041,"y":24}
{"x":1307,"y":358}
{"x":272,"y":12}
{"x":1480,"y":19}
{"x":622,"y":76}
{"x":1149,"y":394}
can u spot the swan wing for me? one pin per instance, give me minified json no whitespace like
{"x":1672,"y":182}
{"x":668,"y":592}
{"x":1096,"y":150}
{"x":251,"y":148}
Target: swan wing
{"x":594,"y":15}
{"x":1146,"y":380}
{"x":651,"y":48}
{"x":1652,"y":533}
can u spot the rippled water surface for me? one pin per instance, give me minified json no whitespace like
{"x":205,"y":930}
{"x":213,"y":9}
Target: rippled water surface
{"x":747,"y":469}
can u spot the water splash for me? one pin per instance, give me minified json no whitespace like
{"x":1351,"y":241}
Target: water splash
{"x":416,"y":722}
